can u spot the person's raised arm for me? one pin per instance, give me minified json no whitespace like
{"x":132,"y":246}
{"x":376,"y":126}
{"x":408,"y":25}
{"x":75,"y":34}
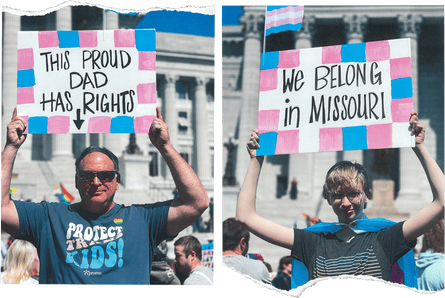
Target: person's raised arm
{"x":245,"y":209}
{"x":427,"y":217}
{"x":192,"y":200}
{"x":14,"y":139}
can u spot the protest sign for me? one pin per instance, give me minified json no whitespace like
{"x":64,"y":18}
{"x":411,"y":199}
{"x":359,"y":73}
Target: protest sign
{"x":207,"y":255}
{"x":87,"y":81}
{"x":336,"y":98}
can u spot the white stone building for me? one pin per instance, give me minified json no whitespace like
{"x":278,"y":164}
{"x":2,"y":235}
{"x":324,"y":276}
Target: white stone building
{"x":324,"y":26}
{"x":185,"y":94}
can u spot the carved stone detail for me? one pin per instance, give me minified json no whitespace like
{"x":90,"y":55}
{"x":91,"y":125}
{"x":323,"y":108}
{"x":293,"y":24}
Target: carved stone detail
{"x":409,"y":25}
{"x":355,"y":26}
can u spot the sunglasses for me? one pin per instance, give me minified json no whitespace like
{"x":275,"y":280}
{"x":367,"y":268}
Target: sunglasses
{"x":105,"y":176}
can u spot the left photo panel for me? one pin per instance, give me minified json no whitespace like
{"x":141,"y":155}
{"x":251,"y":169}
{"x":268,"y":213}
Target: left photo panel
{"x":108,"y":146}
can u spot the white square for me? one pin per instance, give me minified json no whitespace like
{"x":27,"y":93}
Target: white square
{"x":27,"y":40}
{"x":309,"y":140}
{"x":401,"y":136}
{"x":400,"y":48}
{"x":312,"y":56}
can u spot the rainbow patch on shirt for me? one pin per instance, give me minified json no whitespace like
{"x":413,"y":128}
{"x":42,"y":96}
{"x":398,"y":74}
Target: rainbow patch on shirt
{"x":118,"y":221}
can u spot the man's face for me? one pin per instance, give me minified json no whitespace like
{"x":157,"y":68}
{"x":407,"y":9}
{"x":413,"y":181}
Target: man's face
{"x":287,"y":268}
{"x":183,"y":263}
{"x":348,"y":202}
{"x":97,"y":194}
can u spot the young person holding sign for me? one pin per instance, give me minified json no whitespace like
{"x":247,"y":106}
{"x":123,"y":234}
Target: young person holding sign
{"x":347,"y":192}
{"x":98,"y":241}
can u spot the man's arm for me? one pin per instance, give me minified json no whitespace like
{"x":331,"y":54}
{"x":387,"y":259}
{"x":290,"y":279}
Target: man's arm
{"x":14,"y":139}
{"x":192,"y":200}
{"x":427,"y":217}
{"x":245,"y":209}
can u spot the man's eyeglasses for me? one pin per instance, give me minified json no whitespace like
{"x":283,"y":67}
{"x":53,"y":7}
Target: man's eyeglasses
{"x":353,"y":196}
{"x":104,"y":176}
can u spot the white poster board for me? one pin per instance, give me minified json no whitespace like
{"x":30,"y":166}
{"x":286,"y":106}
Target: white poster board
{"x":336,"y":98}
{"x":87,"y":81}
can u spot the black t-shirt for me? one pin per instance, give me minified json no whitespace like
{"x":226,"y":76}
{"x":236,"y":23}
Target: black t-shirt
{"x":370,"y":253}
{"x":282,"y":281}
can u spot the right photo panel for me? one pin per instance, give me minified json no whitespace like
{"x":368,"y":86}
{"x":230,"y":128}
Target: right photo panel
{"x":333,"y":146}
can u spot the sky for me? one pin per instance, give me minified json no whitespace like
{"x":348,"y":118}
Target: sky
{"x":230,"y":15}
{"x":182,"y":22}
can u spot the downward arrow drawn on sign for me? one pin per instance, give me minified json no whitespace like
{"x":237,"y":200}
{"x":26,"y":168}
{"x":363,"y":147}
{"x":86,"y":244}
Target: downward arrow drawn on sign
{"x":78,"y":121}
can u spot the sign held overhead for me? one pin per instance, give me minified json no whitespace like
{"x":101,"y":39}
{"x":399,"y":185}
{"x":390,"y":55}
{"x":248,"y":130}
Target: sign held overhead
{"x":87,"y":81}
{"x":336,"y":98}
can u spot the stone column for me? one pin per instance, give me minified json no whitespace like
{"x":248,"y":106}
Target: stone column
{"x":410,"y":168}
{"x":301,"y":166}
{"x":169,"y":112}
{"x":355,"y":26}
{"x":303,"y":37}
{"x":409,"y":27}
{"x":170,"y":116}
{"x":63,"y":143}
{"x":203,"y":169}
{"x":253,"y":26}
{"x":431,"y":144}
{"x":11,"y":27}
{"x":111,"y":141}
{"x":111,"y":20}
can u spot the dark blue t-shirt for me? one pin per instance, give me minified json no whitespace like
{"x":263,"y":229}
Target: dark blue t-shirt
{"x":77,"y":247}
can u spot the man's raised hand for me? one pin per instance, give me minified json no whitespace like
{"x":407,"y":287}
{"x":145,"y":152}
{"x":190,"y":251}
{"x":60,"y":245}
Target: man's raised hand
{"x":158,"y":134}
{"x":15,"y":131}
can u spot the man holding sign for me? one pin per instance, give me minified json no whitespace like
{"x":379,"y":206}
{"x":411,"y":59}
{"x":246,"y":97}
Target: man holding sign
{"x":347,"y":192}
{"x":98,"y":241}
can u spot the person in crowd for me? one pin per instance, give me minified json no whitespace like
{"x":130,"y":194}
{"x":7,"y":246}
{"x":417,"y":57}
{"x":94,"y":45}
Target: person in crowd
{"x":188,"y":253}
{"x":161,"y":272}
{"x":19,"y":264}
{"x":235,"y":250}
{"x":98,"y":241}
{"x":272,"y":273}
{"x":294,"y":189}
{"x":197,"y":226}
{"x":10,"y":240}
{"x":210,"y":222}
{"x":347,"y":192}
{"x":282,"y":279}
{"x":3,"y":251}
{"x":430,"y":262}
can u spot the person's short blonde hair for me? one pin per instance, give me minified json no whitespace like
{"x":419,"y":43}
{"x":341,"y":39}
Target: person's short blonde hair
{"x":19,"y":261}
{"x":346,"y":174}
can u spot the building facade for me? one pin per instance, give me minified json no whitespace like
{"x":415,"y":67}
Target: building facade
{"x":324,"y":26}
{"x":185,"y":94}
